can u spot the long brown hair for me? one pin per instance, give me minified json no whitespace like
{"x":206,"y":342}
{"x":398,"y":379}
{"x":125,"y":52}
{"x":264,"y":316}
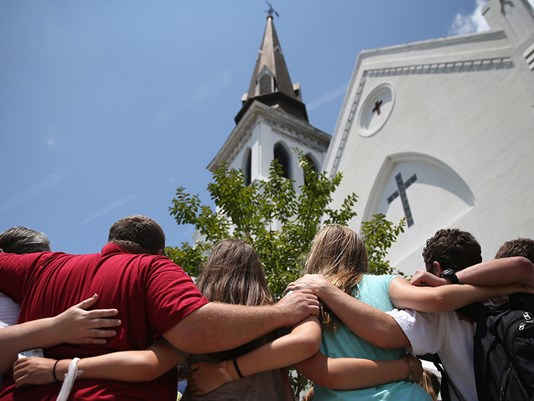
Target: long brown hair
{"x":234,"y":274}
{"x":340,"y":255}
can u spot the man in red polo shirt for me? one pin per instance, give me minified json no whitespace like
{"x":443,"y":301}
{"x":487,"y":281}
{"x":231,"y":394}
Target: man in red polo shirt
{"x":154,"y":297}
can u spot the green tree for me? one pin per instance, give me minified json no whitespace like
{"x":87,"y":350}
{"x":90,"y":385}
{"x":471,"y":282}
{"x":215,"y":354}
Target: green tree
{"x":379,"y":234}
{"x":276,"y":219}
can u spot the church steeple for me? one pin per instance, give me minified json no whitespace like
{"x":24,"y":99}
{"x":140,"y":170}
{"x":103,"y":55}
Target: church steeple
{"x":270,"y":82}
{"x":270,"y":73}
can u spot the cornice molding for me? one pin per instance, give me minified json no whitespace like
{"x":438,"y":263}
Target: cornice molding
{"x":315,"y":142}
{"x":474,"y":65}
{"x":282,"y":122}
{"x":444,"y":67}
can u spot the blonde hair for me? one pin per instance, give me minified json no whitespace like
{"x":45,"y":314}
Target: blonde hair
{"x":340,"y":255}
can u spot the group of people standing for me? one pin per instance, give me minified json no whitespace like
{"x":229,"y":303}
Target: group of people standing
{"x":352,"y":333}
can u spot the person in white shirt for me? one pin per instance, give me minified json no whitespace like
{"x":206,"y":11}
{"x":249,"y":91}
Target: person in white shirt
{"x":448,"y":335}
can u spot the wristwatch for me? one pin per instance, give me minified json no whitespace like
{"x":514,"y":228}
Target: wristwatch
{"x":450,"y":276}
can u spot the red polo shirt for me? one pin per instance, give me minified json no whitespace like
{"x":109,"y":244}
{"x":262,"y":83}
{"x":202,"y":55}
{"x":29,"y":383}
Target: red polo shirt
{"x":151,"y":293}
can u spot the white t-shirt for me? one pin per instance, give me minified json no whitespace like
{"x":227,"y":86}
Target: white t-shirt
{"x":447,"y":335}
{"x":9,"y":314}
{"x":9,"y":311}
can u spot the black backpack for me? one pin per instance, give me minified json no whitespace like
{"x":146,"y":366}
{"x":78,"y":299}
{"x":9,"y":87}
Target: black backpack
{"x":504,"y":351}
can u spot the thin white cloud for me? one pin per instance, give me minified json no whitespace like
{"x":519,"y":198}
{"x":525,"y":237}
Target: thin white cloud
{"x":327,"y":97}
{"x":50,"y":142}
{"x":48,"y":182}
{"x":470,"y":23}
{"x":108,"y":208}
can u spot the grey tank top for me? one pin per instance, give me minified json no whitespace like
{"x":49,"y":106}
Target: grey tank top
{"x":265,"y":386}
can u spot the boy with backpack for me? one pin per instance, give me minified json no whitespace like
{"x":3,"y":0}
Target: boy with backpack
{"x":448,"y":334}
{"x":483,"y":360}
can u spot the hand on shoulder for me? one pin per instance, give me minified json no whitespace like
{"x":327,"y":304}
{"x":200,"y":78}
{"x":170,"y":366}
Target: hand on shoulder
{"x":298,"y":305}
{"x":316,"y":283}
{"x":77,"y":325}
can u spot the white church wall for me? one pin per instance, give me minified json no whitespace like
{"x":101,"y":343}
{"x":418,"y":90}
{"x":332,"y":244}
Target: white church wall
{"x":472,"y":114}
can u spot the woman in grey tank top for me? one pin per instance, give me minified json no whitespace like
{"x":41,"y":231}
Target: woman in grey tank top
{"x":234,"y":274}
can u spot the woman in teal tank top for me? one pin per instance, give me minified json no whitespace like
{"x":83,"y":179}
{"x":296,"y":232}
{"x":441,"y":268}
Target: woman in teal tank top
{"x":340,"y":256}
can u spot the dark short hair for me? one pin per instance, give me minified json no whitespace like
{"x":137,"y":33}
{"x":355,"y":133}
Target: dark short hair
{"x":23,"y":240}
{"x":137,"y":234}
{"x":453,"y":249}
{"x":517,"y":247}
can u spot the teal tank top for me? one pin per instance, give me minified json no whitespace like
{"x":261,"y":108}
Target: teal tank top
{"x":341,"y":342}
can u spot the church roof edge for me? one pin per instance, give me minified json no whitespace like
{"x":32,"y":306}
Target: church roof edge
{"x":396,"y":49}
{"x":435,"y":43}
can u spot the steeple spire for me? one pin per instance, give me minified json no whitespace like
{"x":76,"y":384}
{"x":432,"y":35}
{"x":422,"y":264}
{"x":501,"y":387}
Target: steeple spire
{"x":270,"y":82}
{"x":270,"y":73}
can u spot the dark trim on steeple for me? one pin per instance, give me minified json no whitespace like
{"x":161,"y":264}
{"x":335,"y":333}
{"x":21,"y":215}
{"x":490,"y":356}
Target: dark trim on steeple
{"x":278,"y":101}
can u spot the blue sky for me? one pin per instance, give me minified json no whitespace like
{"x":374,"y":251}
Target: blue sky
{"x":107,"y":106}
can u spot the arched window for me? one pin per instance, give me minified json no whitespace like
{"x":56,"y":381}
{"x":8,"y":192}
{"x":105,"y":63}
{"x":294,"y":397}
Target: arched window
{"x":247,"y":166}
{"x":265,"y":84}
{"x":282,"y":155}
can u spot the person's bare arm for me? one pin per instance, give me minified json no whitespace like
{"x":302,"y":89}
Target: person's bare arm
{"x":76,"y":325}
{"x":514,"y":270}
{"x":20,"y":337}
{"x":365,"y":321}
{"x":301,"y":343}
{"x":444,"y":298}
{"x":128,"y":366}
{"x":217,"y":327}
{"x":354,"y":373}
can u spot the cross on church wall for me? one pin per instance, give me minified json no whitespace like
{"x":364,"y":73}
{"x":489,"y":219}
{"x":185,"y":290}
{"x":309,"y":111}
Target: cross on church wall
{"x":402,"y":186}
{"x":376,"y":109}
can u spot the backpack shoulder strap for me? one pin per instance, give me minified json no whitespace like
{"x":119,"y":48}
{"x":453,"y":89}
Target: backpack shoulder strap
{"x":444,"y":376}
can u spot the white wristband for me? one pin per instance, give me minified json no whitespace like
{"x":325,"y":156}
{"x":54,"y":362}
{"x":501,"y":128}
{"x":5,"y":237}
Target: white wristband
{"x":68,"y":382}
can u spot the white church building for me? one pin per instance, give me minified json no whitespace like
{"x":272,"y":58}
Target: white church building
{"x":439,"y":132}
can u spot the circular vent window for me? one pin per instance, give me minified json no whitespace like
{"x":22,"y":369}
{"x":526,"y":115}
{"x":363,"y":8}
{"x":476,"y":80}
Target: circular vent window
{"x":376,"y":109}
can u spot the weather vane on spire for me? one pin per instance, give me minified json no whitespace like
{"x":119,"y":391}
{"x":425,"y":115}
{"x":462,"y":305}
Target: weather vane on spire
{"x":271,"y":10}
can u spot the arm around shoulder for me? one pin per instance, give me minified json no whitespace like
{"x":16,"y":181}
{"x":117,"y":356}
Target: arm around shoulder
{"x":217,"y":327}
{"x":300,"y":344}
{"x":352,"y":373}
{"x":128,"y":366}
{"x":444,"y":298}
{"x":513,"y":270}
{"x":367,"y":322}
